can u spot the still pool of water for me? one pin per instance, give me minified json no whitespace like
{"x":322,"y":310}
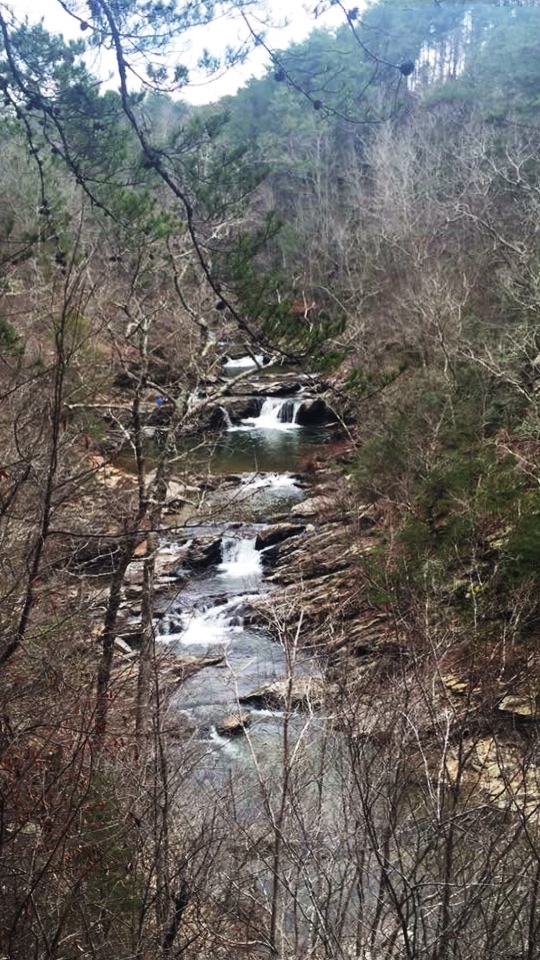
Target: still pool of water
{"x":254,"y":450}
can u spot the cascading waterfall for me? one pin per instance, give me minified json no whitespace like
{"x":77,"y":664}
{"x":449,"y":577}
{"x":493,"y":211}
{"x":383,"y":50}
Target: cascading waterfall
{"x":204,"y":626}
{"x":276,"y":413}
{"x":276,"y":410}
{"x":288,"y":411}
{"x":215,"y":613}
{"x":239,"y":558}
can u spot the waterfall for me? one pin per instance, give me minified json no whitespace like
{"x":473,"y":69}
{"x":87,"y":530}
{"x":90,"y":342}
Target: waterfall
{"x":276,"y":410}
{"x":239,"y":558}
{"x":275,"y":414}
{"x":288,"y":411}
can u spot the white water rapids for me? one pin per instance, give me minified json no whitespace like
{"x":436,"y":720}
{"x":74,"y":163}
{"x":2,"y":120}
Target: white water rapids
{"x":206,"y":625}
{"x":274,"y":481}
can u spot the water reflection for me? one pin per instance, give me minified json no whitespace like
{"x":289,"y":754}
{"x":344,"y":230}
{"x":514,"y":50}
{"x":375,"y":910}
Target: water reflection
{"x":255,"y":450}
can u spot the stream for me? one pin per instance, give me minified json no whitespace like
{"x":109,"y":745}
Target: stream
{"x":256,"y":776}
{"x":210,"y":616}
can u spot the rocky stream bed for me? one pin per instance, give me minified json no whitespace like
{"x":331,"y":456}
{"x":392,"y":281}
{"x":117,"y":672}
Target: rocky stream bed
{"x":262,"y":600}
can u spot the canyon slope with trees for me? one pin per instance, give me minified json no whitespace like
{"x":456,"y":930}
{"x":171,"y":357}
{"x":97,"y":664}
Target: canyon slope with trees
{"x":363,"y":220}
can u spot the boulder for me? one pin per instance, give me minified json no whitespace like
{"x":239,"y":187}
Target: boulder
{"x":234,"y":724}
{"x":230,"y":410}
{"x":203,"y":552}
{"x":278,"y":389}
{"x":520,"y":706}
{"x":315,"y":506}
{"x":316,"y":412}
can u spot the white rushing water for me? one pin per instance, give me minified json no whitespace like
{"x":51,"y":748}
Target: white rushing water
{"x":276,"y":413}
{"x":274,"y":481}
{"x":204,"y":628}
{"x":228,"y":746}
{"x":240,"y":559}
{"x":243,"y":363}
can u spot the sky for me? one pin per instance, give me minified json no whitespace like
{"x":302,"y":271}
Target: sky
{"x":293,"y":23}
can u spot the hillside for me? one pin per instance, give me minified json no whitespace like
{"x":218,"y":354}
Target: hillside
{"x":269,"y":503}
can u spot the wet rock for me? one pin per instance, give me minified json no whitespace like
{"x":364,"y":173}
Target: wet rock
{"x":278,"y":389}
{"x":277,"y":533}
{"x":235,"y":724}
{"x":185,"y":667}
{"x":229,"y":410}
{"x":288,"y":384}
{"x":204,"y":552}
{"x":316,"y":412}
{"x":301,"y":692}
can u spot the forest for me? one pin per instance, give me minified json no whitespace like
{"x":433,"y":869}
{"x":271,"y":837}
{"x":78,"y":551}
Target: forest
{"x":269,"y":486}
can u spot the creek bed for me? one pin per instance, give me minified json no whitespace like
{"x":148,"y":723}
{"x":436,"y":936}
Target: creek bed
{"x":210,"y":614}
{"x":210,"y":617}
